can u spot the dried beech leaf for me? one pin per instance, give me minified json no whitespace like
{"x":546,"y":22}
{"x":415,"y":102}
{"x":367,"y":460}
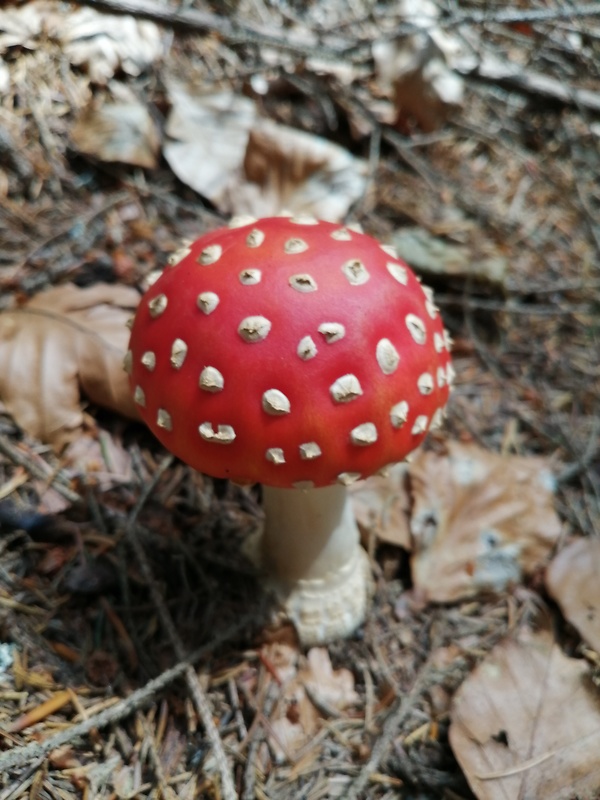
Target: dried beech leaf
{"x":416,"y":70}
{"x":526,"y":723}
{"x":102,"y":460}
{"x":208,"y":135}
{"x":381,"y":506}
{"x":573,"y":580}
{"x":104,"y":43}
{"x":246,"y":165}
{"x":480,"y":521}
{"x":287,"y":168}
{"x":433,"y":256}
{"x":311,"y":689}
{"x":123,"y":132}
{"x":62,"y":341}
{"x":21,"y":25}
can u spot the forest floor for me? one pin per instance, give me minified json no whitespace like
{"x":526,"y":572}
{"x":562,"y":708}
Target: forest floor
{"x":138,"y":658}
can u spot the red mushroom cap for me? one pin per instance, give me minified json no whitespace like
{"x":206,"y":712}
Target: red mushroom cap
{"x":289,"y":352}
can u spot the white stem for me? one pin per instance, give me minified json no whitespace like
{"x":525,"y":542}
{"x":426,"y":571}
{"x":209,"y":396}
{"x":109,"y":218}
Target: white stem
{"x":308,"y":532}
{"x":310,"y":549}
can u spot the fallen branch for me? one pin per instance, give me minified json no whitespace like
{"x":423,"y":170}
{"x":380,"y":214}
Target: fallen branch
{"x":511,"y":15}
{"x":534,"y":83}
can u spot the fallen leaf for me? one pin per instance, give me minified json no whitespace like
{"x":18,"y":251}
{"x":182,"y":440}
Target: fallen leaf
{"x":207,"y":139}
{"x":104,"y":43}
{"x":287,"y":168}
{"x":100,"y":460}
{"x":572,"y":579}
{"x":121,"y":131}
{"x":381,"y":506}
{"x":246,"y":165}
{"x":62,"y":341}
{"x":328,"y":686}
{"x":434,"y":256}
{"x":526,"y":723}
{"x":415,"y":71}
{"x":21,"y":25}
{"x":309,"y":694}
{"x":480,"y":521}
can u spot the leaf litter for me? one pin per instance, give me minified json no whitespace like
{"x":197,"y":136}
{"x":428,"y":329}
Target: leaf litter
{"x":62,"y":343}
{"x":498,"y":170}
{"x":218,"y":145}
{"x":480,"y":521}
{"x":526,"y":723}
{"x":573,"y":580}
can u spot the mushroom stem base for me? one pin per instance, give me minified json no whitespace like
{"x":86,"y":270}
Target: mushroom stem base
{"x":309,"y":549}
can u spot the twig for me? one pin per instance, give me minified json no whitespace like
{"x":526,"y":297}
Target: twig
{"x":58,"y":480}
{"x":198,"y":696}
{"x":257,"y":737}
{"x":534,"y":83}
{"x":349,"y":102}
{"x":231,"y":30}
{"x":159,"y":773}
{"x":65,"y":232}
{"x":509,"y":16}
{"x":396,"y":717}
{"x":19,"y":756}
{"x":22,"y":783}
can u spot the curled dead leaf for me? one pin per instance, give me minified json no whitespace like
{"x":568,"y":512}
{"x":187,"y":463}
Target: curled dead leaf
{"x":104,"y":43}
{"x":572,"y":579}
{"x":61,"y":342}
{"x":121,"y":131}
{"x":207,"y":138}
{"x":480,"y":521}
{"x":526,"y":723}
{"x":415,"y":71}
{"x":245,"y":165}
{"x":287,"y":168}
{"x":311,"y":690}
{"x":21,"y":25}
{"x":381,"y":506}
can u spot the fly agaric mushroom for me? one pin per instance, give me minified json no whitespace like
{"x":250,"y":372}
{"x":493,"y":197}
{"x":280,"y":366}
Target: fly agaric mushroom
{"x":302,"y":355}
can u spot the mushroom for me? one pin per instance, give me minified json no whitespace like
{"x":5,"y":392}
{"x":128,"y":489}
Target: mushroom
{"x":304,"y":356}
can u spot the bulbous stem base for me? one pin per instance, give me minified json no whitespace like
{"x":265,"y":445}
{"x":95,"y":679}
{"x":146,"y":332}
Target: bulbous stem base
{"x":309,"y":549}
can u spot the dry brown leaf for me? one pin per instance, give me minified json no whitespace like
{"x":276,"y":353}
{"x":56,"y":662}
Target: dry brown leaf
{"x":381,"y":506}
{"x":62,"y":341}
{"x":102,"y":460}
{"x":21,"y":25}
{"x":246,"y":165}
{"x":208,"y":136}
{"x":287,"y":168}
{"x":480,"y":521}
{"x":104,"y":43}
{"x":121,"y":131}
{"x":573,"y":580}
{"x":481,"y":260}
{"x":526,"y":723}
{"x":415,"y":71}
{"x":311,"y":690}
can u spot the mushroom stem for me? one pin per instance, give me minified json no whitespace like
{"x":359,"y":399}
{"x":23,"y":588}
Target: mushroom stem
{"x":310,"y":549}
